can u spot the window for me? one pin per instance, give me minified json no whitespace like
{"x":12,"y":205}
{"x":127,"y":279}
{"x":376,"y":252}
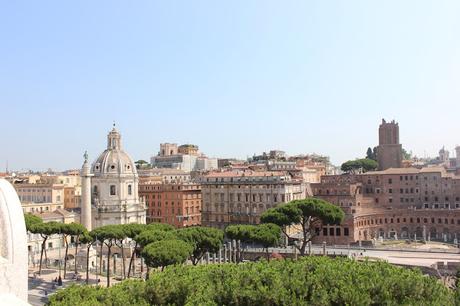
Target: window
{"x":346,"y":231}
{"x":130,"y":190}
{"x":113,"y":190}
{"x":324,"y":231}
{"x":337,"y":232}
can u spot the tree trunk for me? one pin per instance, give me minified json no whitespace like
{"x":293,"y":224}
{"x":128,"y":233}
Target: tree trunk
{"x":196,"y":260}
{"x":268,"y":255}
{"x":76,"y":250}
{"x":302,"y":248}
{"x":41,"y":255}
{"x":131,"y":261}
{"x":100,"y":260}
{"x":134,"y":264}
{"x":148,"y":272}
{"x":305,"y":226}
{"x":108,"y":264}
{"x":87,"y":263}
{"x":123,"y":262}
{"x":65,"y":256}
{"x":142,"y":267}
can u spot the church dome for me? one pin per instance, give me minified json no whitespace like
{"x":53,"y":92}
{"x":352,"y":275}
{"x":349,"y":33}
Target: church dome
{"x":113,"y":161}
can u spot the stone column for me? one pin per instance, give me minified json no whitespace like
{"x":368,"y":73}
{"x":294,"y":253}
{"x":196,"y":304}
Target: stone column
{"x":86,"y":194}
{"x":238,"y":251}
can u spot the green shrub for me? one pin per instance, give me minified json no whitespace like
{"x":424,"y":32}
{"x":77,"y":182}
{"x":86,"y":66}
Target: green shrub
{"x":309,"y":281}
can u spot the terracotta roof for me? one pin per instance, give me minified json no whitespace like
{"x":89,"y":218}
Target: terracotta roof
{"x":63,"y":212}
{"x":403,"y":171}
{"x":48,"y":216}
{"x":394,"y":171}
{"x":245,"y":174}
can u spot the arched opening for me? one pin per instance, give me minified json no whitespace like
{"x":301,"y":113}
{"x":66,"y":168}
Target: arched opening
{"x":446,"y":235}
{"x":404,"y":233}
{"x":392,"y":234}
{"x":381,"y":233}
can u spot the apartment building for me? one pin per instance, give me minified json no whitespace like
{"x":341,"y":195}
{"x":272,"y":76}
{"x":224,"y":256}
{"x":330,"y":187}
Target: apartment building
{"x":175,"y":203}
{"x":240,"y":197}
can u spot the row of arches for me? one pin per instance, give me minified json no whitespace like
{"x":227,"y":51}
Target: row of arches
{"x":432,"y":233}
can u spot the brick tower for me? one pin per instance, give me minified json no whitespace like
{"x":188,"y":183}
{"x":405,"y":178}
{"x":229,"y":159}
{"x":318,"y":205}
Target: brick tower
{"x":389,"y":151}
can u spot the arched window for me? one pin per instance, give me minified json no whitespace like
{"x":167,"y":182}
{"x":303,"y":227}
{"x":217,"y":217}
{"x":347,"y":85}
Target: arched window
{"x":113,"y":190}
{"x":130,"y":189}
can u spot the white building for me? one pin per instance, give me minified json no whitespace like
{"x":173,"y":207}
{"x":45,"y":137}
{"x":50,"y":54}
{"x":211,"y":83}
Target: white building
{"x":185,"y":157}
{"x":110,"y":188}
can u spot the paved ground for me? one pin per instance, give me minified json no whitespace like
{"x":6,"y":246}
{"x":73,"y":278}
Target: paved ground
{"x":408,"y":257}
{"x":418,"y":258}
{"x":42,"y":286}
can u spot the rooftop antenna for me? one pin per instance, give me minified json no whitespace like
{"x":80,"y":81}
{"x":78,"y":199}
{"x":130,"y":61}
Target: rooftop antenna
{"x":7,"y":167}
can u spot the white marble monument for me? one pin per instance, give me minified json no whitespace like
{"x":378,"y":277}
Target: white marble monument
{"x":13,"y":248}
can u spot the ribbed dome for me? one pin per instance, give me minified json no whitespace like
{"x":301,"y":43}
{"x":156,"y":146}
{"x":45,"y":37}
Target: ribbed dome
{"x":113,"y":161}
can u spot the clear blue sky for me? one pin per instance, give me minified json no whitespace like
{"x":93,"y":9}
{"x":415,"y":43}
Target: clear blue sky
{"x":234,"y":77}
